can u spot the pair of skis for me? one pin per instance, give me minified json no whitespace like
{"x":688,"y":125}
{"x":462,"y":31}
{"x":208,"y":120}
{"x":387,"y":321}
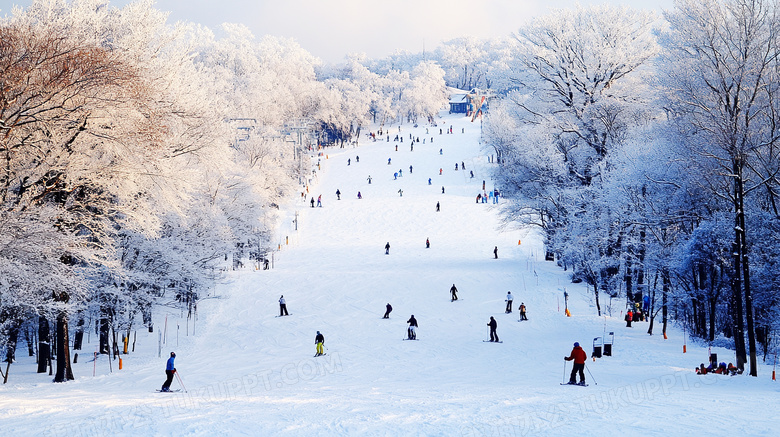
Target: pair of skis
{"x":574,"y":383}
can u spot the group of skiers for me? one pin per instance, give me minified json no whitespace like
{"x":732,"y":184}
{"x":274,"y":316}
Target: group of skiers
{"x":635,"y":315}
{"x":485,"y":195}
{"x":509,"y":300}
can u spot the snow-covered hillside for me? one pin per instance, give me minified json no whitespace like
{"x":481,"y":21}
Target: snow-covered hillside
{"x":250,"y":373}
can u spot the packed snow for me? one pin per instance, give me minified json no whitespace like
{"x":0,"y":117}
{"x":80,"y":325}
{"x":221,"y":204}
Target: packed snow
{"x":247,"y":372}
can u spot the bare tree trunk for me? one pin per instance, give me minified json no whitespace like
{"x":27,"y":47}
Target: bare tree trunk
{"x":740,"y":229}
{"x":12,"y":333}
{"x":29,"y":336}
{"x":78,"y":339}
{"x":104,"y":339}
{"x":629,"y":281}
{"x":736,"y":283}
{"x":665,"y":298}
{"x":652,"y":306}
{"x":43,"y":344}
{"x":596,"y":292}
{"x":64,"y":369}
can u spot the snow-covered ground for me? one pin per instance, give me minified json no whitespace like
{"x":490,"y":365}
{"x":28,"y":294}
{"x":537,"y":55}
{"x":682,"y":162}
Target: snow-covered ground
{"x":249,"y":373}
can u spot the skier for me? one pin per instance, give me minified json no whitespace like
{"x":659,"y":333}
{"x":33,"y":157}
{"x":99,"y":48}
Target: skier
{"x":509,"y":299}
{"x":357,"y":159}
{"x":401,"y":192}
{"x":319,"y":340}
{"x":456,"y":166}
{"x":495,"y":252}
{"x":312,"y":202}
{"x":338,"y":194}
{"x":522,"y":312}
{"x":493,"y":325}
{"x":359,"y":196}
{"x":441,"y":151}
{"x":495,"y":195}
{"x":400,"y":173}
{"x":395,"y":176}
{"x":349,"y":161}
{"x":472,"y":174}
{"x":440,"y":170}
{"x":454,"y":292}
{"x":389,"y":159}
{"x":410,"y":169}
{"x":442,"y":189}
{"x":411,"y":332}
{"x":462,"y":165}
{"x":629,"y":318}
{"x":369,"y":179}
{"x":437,"y":207}
{"x":479,"y":197}
{"x":282,"y":307}
{"x":579,"y":356}
{"x":429,"y":181}
{"x":388,"y":310}
{"x":169,"y":371}
{"x":427,"y":243}
{"x":387,"y":248}
{"x":319,"y":201}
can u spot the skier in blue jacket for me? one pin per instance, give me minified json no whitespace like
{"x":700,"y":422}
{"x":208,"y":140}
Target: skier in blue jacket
{"x":169,"y":371}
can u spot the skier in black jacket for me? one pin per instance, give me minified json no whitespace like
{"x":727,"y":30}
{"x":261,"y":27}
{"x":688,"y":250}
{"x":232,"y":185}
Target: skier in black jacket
{"x":454,"y":292}
{"x":387,"y":313}
{"x":493,"y":325}
{"x":319,"y":340}
{"x":412,"y":330}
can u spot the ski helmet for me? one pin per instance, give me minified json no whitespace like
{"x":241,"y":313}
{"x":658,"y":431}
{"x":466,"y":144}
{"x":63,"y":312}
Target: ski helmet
{"x":576,"y":344}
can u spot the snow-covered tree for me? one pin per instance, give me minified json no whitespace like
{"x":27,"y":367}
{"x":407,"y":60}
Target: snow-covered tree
{"x":722,"y":85}
{"x":581,"y":92}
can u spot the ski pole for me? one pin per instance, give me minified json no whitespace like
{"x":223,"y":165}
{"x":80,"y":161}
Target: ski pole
{"x":180,"y":381}
{"x":591,"y":375}
{"x":564,"y":372}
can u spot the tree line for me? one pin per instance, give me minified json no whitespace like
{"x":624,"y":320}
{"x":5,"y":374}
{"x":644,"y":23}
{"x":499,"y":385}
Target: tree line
{"x":139,"y":158}
{"x":645,"y":148}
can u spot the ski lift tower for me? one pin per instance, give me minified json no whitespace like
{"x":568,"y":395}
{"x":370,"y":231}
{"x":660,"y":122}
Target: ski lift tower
{"x":244,"y":129}
{"x":299,"y":132}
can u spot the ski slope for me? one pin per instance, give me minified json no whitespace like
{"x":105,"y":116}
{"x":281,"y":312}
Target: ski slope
{"x":249,"y":373}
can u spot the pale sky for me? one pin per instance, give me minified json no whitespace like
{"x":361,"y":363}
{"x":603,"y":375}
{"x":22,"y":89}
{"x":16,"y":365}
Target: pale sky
{"x":331,"y":29}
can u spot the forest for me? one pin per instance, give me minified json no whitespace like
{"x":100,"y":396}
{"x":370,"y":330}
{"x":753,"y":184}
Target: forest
{"x":142,"y":159}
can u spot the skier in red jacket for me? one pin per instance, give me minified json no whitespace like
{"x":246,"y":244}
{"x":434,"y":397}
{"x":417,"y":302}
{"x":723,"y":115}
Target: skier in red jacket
{"x":579,"y":356}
